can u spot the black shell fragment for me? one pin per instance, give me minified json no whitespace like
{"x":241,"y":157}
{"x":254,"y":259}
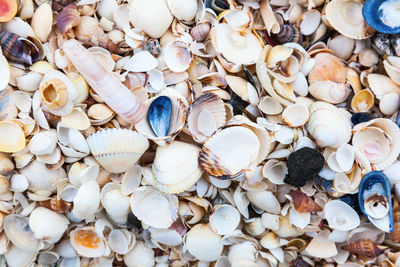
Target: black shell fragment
{"x":303,"y":165}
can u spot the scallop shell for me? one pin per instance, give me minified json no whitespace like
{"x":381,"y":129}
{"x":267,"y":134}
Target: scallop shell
{"x":341,"y":216}
{"x":154,"y":21}
{"x":176,"y":167}
{"x":177,"y":120}
{"x":141,"y":255}
{"x":87,"y":243}
{"x":328,"y":91}
{"x":112,"y":154}
{"x":20,"y":234}
{"x":378,"y":140}
{"x":243,"y":146}
{"x":153,"y":207}
{"x":12,"y":137}
{"x":346,"y":17}
{"x":47,"y":224}
{"x":205,"y":115}
{"x":203,"y":243}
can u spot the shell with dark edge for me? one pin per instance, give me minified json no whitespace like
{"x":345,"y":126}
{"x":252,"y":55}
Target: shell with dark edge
{"x":18,"y":49}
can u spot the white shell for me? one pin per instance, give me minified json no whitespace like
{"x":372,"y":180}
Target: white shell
{"x":140,"y":255}
{"x":176,"y":167}
{"x":224,"y":219}
{"x":177,"y":56}
{"x":115,"y":203}
{"x":40,"y":177}
{"x":42,"y":22}
{"x":264,"y":200}
{"x":183,"y":9}
{"x":321,"y":247}
{"x":141,"y":62}
{"x":43,"y":143}
{"x":341,"y":216}
{"x":47,"y":224}
{"x":86,"y":201}
{"x":20,"y":234}
{"x":203,"y":243}
{"x":295,"y":115}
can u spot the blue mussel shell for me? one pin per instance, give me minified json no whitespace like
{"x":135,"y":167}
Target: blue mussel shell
{"x":159,"y":115}
{"x":374,"y":14}
{"x":376,"y":183}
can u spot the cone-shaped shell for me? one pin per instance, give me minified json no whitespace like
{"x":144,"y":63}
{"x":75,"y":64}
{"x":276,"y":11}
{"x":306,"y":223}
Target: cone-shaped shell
{"x":47,"y":224}
{"x":87,"y":243}
{"x":176,"y":167}
{"x":346,"y":17}
{"x":364,"y":248}
{"x":243,"y":146}
{"x":203,"y":243}
{"x":151,"y":16}
{"x":205,"y":115}
{"x":177,"y":119}
{"x":117,"y":150}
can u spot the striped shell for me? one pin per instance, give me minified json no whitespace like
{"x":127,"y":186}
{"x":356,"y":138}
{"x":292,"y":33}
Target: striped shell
{"x":364,"y":247}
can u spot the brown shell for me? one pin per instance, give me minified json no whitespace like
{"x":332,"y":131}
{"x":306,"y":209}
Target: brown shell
{"x":303,"y":203}
{"x":327,"y":67}
{"x":57,"y":205}
{"x":18,"y":49}
{"x":68,"y":18}
{"x":364,"y":248}
{"x":395,"y":234}
{"x":289,"y":34}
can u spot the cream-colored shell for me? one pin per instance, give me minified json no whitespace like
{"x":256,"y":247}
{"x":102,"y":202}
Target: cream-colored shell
{"x":183,"y":9}
{"x":392,"y":67}
{"x":151,"y":16}
{"x":42,"y":22}
{"x":203,"y":243}
{"x":47,"y":224}
{"x":94,"y":249}
{"x":12,"y":137}
{"x":86,"y":201}
{"x":115,"y":203}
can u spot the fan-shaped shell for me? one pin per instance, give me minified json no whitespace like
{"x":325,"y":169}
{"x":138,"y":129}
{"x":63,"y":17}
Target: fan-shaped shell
{"x":176,"y":167}
{"x":117,"y":150}
{"x":86,"y":201}
{"x":346,"y":17}
{"x":12,"y":137}
{"x":47,"y":224}
{"x":203,"y":243}
{"x":328,"y":91}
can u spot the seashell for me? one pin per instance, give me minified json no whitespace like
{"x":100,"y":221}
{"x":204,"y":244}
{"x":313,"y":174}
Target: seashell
{"x":42,"y":143}
{"x":395,"y":234}
{"x":270,"y":241}
{"x":375,"y":200}
{"x":86,"y":201}
{"x":270,"y":106}
{"x":18,"y":49}
{"x":92,"y":71}
{"x":87,"y":243}
{"x":20,"y":234}
{"x":245,"y":90}
{"x":295,"y":115}
{"x":362,"y":101}
{"x":289,"y":33}
{"x":141,"y":62}
{"x":146,"y":19}
{"x":76,"y":119}
{"x":309,"y":21}
{"x":264,"y":200}
{"x":68,"y":18}
{"x":346,"y":17}
{"x":329,"y":91}
{"x":386,"y":91}
{"x":392,"y":67}
{"x":381,"y":16}
{"x":183,"y":10}
{"x":153,"y":47}
{"x":303,"y":203}
{"x":381,"y":43}
{"x":141,"y":255}
{"x":341,"y":216}
{"x":200,"y":31}
{"x":364,"y":247}
{"x":321,"y":247}
{"x":159,"y":115}
{"x":214,"y":161}
{"x":203,"y":243}
{"x":176,"y":167}
{"x":327,"y":68}
{"x":12,"y":137}
{"x":114,"y":156}
{"x":163,"y":211}
{"x":341,"y":46}
{"x":331,"y":132}
{"x":115,"y":203}
{"x":233,"y":49}
{"x":177,"y":55}
{"x":224,"y":219}
{"x":368,"y":57}
{"x":377,"y":140}
{"x":176,"y":121}
{"x":55,"y":204}
{"x":42,"y":22}
{"x":100,"y":114}
{"x":9,"y":10}
{"x":47,"y":224}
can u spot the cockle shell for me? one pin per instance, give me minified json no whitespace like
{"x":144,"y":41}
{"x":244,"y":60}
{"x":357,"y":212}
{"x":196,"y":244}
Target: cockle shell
{"x":114,"y":156}
{"x":341,"y":216}
{"x":203,"y":243}
{"x":12,"y":137}
{"x":183,"y":9}
{"x":378,"y":140}
{"x":115,"y":203}
{"x":155,"y":21}
{"x":40,"y":177}
{"x":42,"y":22}
{"x":177,"y":56}
{"x":153,"y":207}
{"x":47,"y":224}
{"x":386,"y":91}
{"x":321,"y":247}
{"x":176,"y":167}
{"x":141,"y":255}
{"x":86,"y":201}
{"x":87,"y":243}
{"x":364,"y":248}
{"x":346,"y":17}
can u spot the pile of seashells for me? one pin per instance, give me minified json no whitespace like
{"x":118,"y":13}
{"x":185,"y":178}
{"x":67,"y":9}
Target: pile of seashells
{"x":199,"y":133}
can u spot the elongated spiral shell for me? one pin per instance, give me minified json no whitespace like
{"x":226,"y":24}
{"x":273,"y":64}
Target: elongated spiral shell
{"x":364,"y":248}
{"x":68,"y":18}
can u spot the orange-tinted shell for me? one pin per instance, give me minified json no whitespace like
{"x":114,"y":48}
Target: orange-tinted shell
{"x":303,"y":203}
{"x":364,"y":248}
{"x":8,"y":9}
{"x":395,"y":234}
{"x":57,"y":205}
{"x":87,"y":238}
{"x":327,"y":68}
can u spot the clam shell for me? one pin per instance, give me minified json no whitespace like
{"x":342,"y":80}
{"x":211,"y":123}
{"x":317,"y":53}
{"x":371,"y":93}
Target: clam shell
{"x":42,"y":22}
{"x":155,"y":21}
{"x":76,"y":119}
{"x":177,"y":56}
{"x":346,"y":17}
{"x":153,"y":207}
{"x":362,"y":101}
{"x":264,"y":200}
{"x":40,"y":177}
{"x":12,"y":137}
{"x":341,"y":216}
{"x":86,"y":201}
{"x":87,"y":243}
{"x":243,"y":145}
{"x":327,"y":68}
{"x":176,"y":167}
{"x":295,"y":115}
{"x":183,"y":9}
{"x":392,"y":67}
{"x":43,"y":143}
{"x":243,"y":89}
{"x":205,"y":115}
{"x":115,"y":203}
{"x":20,"y":234}
{"x":112,"y":154}
{"x":203,"y":243}
{"x":47,"y":224}
{"x":16,"y":257}
{"x":224,"y":219}
{"x":141,"y":255}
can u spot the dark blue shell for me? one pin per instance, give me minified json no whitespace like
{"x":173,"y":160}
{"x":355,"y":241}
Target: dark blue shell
{"x":368,"y":181}
{"x":159,"y":115}
{"x":372,"y":15}
{"x":360,"y":117}
{"x":352,"y":201}
{"x":18,"y":49}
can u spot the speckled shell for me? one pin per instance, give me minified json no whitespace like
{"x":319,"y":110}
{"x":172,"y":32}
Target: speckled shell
{"x":117,"y":149}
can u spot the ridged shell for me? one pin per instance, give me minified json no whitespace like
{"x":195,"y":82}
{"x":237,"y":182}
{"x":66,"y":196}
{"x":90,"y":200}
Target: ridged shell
{"x":47,"y":224}
{"x":345,"y":16}
{"x":328,"y":91}
{"x":117,"y":150}
{"x":57,"y":205}
{"x":176,"y":167}
{"x":364,"y":247}
{"x":154,"y":21}
{"x":243,"y":146}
